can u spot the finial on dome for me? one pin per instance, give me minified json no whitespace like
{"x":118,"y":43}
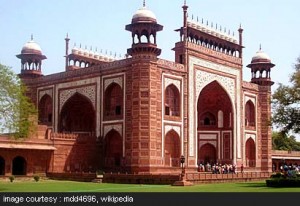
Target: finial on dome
{"x":67,"y":37}
{"x":259,"y":47}
{"x":184,"y":2}
{"x":31,"y":37}
{"x":144,"y":3}
{"x":240,"y":29}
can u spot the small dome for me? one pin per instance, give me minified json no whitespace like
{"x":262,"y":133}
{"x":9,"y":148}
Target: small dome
{"x":31,"y":47}
{"x":75,"y":50}
{"x":96,"y":55}
{"x":260,"y":56}
{"x":91,"y":53}
{"x":143,"y":15}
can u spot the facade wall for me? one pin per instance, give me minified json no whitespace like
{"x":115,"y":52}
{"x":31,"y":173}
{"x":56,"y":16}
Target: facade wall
{"x":139,"y":128}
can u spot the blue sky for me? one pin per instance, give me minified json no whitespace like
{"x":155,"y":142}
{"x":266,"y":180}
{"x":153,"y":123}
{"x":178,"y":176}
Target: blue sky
{"x":272,"y":23}
{"x":98,"y":23}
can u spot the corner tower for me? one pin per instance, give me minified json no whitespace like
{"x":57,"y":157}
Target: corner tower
{"x":143,"y":96}
{"x":261,"y":75}
{"x":261,"y":69}
{"x":31,"y":60}
{"x":143,"y":28}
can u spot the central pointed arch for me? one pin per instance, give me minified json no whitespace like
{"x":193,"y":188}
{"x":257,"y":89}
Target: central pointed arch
{"x":212,"y":100}
{"x":215,"y":116}
{"x":77,"y":115}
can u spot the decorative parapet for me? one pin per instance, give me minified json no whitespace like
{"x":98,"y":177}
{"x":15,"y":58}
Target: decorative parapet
{"x":79,"y":73}
{"x":251,"y":86}
{"x":286,"y":154}
{"x":220,"y":55}
{"x":73,"y":136}
{"x":170,"y":65}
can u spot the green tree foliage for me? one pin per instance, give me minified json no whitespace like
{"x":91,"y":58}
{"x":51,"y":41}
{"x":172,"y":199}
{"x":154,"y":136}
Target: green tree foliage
{"x":280,"y":141}
{"x":286,"y":104}
{"x":16,"y":109}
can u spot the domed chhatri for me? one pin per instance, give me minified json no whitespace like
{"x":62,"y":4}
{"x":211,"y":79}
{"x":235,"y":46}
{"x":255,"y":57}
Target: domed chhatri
{"x":31,"y":47}
{"x":31,"y":59}
{"x":144,"y":15}
{"x":260,"y":56}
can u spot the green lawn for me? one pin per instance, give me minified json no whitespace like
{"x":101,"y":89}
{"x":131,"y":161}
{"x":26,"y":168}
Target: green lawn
{"x":70,"y":186}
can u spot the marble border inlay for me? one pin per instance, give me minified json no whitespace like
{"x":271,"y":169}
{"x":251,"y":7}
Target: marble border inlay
{"x":44,"y":92}
{"x":168,"y":128}
{"x":87,"y":91}
{"x":108,"y":128}
{"x":169,"y":81}
{"x":117,"y":80}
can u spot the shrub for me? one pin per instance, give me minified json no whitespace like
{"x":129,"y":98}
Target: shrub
{"x":11,"y":178}
{"x":100,"y":172}
{"x":36,"y":178}
{"x":278,"y":182}
{"x":277,"y":175}
{"x":288,"y":179}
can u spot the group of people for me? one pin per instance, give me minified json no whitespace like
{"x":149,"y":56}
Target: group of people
{"x":290,"y":170}
{"x":219,"y":168}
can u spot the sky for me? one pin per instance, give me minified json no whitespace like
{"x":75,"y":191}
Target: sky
{"x":101,"y":24}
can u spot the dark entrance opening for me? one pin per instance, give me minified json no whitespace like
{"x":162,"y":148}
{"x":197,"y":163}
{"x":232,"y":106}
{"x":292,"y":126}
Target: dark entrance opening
{"x":2,"y":166}
{"x":19,"y":166}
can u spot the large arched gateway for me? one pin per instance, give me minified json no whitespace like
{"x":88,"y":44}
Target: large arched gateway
{"x":215,"y":125}
{"x":78,"y":115}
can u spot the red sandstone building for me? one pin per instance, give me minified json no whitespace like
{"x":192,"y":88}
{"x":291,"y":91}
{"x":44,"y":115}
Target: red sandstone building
{"x":141,"y":113}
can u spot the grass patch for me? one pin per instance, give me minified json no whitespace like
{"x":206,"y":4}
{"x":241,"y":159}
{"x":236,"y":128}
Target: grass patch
{"x":71,"y":186}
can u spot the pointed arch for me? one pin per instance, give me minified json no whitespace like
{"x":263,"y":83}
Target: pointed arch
{"x":212,"y":99}
{"x":207,"y":154}
{"x":113,"y":149}
{"x":250,"y":153}
{"x":77,"y":115}
{"x":113,"y":102}
{"x":172,"y":149}
{"x":45,"y":110}
{"x":249,"y":114}
{"x":172,"y":101}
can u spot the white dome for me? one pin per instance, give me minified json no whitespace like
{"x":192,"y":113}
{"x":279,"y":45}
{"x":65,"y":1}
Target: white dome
{"x":96,"y":55}
{"x":143,"y":15}
{"x":31,"y":47}
{"x":75,"y":50}
{"x":261,"y":56}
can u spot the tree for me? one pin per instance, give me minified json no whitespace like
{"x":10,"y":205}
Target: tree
{"x":280,"y":141}
{"x":286,"y":104}
{"x":16,"y":109}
